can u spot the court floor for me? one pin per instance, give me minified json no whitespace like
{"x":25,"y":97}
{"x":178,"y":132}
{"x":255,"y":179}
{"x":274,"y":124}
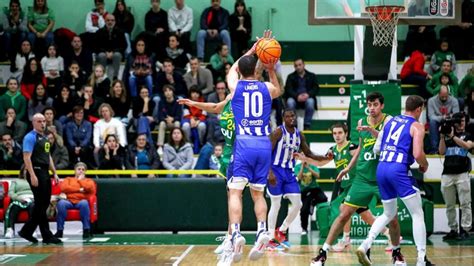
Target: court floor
{"x":197,"y":249}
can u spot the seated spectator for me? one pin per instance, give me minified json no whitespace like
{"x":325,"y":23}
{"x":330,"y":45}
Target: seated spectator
{"x":440,"y":107}
{"x":32,"y":76}
{"x":74,"y":77}
{"x":11,"y":157}
{"x":78,"y":189}
{"x":219,"y":94}
{"x":25,"y":54}
{"x":179,"y":57}
{"x":125,"y":22}
{"x":64,"y":103}
{"x":100,"y":81}
{"x":446,"y":69}
{"x":142,"y":156}
{"x":156,"y":27}
{"x":41,"y":23}
{"x":218,"y":60}
{"x":119,"y":101}
{"x":15,"y":30}
{"x":108,"y":125}
{"x":58,"y":152}
{"x":444,"y":79}
{"x":442,"y":55}
{"x":111,"y":46}
{"x":53,"y":67}
{"x":139,"y":67}
{"x":51,"y":123}
{"x":13,"y":126}
{"x":301,"y":89}
{"x":194,"y":121}
{"x":169,"y":114}
{"x":95,"y":20}
{"x":14,"y":99}
{"x":171,"y":77}
{"x":180,"y":22}
{"x":215,"y":160}
{"x":79,"y":55}
{"x":79,"y":137}
{"x":467,"y":83}
{"x":21,"y":199}
{"x":90,"y":102}
{"x":214,"y":25}
{"x":38,"y":101}
{"x":143,"y":108}
{"x":413,"y":73}
{"x":177,"y":153}
{"x":240,"y":25}
{"x":112,"y":156}
{"x":199,"y":76}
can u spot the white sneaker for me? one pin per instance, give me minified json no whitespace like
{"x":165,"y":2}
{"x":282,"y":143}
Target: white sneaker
{"x":363,"y":255}
{"x":36,"y":233}
{"x":9,"y":233}
{"x":220,"y":248}
{"x":341,"y":245}
{"x":226,"y":257}
{"x":238,"y":243}
{"x":259,"y":248}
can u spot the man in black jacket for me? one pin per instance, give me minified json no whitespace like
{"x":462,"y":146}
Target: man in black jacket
{"x":111,"y":46}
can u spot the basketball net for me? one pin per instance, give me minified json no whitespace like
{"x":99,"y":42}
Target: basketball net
{"x":384,"y":21}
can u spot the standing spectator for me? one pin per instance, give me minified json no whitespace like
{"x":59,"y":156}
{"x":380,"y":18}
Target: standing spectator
{"x":41,"y":23}
{"x":216,"y":157}
{"x":112,"y":45}
{"x":10,"y":153}
{"x":63,"y":104}
{"x":171,"y":77}
{"x":413,"y":73}
{"x":125,"y":22}
{"x":199,"y":76}
{"x":461,"y":36}
{"x":15,"y":30}
{"x":78,"y":54}
{"x":142,"y":156}
{"x":119,"y":101}
{"x":240,"y":24}
{"x":442,"y":55}
{"x":108,"y":125}
{"x":180,"y":22}
{"x":79,"y":137}
{"x":214,"y":25}
{"x":58,"y":151}
{"x":13,"y":126}
{"x":139,"y":68}
{"x":25,"y":54}
{"x":177,"y":153}
{"x":32,"y":76}
{"x":91,"y":103}
{"x":52,"y":124}
{"x":112,"y":155}
{"x":100,"y":81}
{"x":14,"y":99}
{"x":74,"y":77}
{"x":143,"y":113}
{"x":176,"y":54}
{"x":420,"y":37}
{"x":169,"y":114}
{"x":440,"y":107}
{"x":156,"y":27}
{"x":435,"y":82}
{"x":301,"y":89}
{"x":53,"y":67}
{"x":39,"y":101}
{"x":78,"y":189}
{"x":95,"y":20}
{"x":219,"y":60}
{"x":455,"y":177}
{"x":194,"y":121}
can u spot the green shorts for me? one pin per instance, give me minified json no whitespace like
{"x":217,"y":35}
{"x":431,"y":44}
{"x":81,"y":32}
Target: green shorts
{"x":361,"y":193}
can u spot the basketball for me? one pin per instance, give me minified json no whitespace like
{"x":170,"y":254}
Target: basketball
{"x":268,"y":49}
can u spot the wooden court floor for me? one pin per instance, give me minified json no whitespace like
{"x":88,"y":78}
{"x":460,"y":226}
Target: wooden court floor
{"x":198,"y":250}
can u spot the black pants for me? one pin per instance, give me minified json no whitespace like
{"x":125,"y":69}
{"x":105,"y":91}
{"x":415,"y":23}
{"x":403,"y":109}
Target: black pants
{"x":310,"y":198}
{"x":13,"y":214}
{"x":42,"y":196}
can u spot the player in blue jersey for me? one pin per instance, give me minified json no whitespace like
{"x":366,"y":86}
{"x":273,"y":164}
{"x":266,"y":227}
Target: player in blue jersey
{"x":400,"y":143}
{"x":252,"y":106}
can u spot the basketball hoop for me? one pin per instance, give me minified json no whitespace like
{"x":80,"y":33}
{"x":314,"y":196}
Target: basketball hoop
{"x":384,"y":21}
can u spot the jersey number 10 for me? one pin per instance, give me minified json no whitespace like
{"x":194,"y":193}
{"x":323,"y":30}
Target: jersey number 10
{"x":253,"y":104}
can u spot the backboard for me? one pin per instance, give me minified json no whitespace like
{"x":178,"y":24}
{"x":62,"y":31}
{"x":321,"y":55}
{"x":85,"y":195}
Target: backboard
{"x":417,"y":12}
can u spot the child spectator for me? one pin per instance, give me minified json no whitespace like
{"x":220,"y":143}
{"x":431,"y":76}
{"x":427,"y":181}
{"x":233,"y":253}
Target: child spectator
{"x":215,"y":160}
{"x":441,"y":55}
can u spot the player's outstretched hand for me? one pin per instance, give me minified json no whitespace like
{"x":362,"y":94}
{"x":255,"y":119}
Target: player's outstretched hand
{"x":270,"y":66}
{"x":423,"y":169}
{"x":267,"y":34}
{"x":185,"y":101}
{"x":363,"y":128}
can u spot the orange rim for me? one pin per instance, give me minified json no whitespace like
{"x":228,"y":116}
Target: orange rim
{"x":384,"y":12}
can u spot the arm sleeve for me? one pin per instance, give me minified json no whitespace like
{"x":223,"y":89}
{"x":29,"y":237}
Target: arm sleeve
{"x":171,"y":24}
{"x":29,"y":143}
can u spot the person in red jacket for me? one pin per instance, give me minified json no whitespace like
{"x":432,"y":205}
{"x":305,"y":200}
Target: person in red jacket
{"x":78,"y":189}
{"x":413,"y":73}
{"x":194,"y":120}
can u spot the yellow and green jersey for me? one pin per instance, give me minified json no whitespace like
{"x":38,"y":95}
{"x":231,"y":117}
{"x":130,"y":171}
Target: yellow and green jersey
{"x":227,"y":124}
{"x":342,"y":158}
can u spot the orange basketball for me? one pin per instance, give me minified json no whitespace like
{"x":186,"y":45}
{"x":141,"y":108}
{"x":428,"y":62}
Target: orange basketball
{"x":268,"y":49}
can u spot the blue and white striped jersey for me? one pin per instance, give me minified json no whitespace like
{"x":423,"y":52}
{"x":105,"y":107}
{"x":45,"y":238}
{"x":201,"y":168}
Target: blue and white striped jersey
{"x":288,"y":144}
{"x":397,"y":143}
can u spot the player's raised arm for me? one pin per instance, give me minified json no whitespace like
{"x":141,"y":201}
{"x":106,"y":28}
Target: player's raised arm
{"x":307,"y":152}
{"x":214,"y":108}
{"x":417,"y":130}
{"x":274,"y":85}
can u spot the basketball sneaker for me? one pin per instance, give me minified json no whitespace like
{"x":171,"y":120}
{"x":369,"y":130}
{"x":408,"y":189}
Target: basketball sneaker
{"x":363,"y":254}
{"x":260,"y":244}
{"x":273,"y":245}
{"x":238,"y":243}
{"x":9,"y":233}
{"x":225,"y":258}
{"x":281,"y":237}
{"x":320,"y":259}
{"x":341,"y":245}
{"x":397,"y":258}
{"x":220,"y":248}
{"x":424,"y":262}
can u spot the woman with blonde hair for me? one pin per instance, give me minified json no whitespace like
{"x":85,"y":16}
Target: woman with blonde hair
{"x":119,"y":101}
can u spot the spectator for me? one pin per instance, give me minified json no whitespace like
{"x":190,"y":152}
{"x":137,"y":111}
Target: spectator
{"x":13,"y":126}
{"x":169,"y":114}
{"x":179,"y":57}
{"x":41,"y":23}
{"x":440,"y":107}
{"x":420,"y":37}
{"x":467,"y":83}
{"x":413,"y":73}
{"x":119,"y":101}
{"x":214,"y":134}
{"x":442,"y":55}
{"x":214,"y":25}
{"x":10,"y":153}
{"x":219,"y":94}
{"x":112,"y":45}
{"x":171,"y":77}
{"x":194,"y":121}
{"x":79,"y":137}
{"x":177,"y":153}
{"x":455,"y":177}
{"x":53,"y":67}
{"x":63,"y":104}
{"x":139,"y":65}
{"x":112,"y":155}
{"x":461,"y":36}
{"x":125,"y":22}
{"x":74,"y":77}
{"x":444,"y":79}
{"x":156,"y":27}
{"x":100,"y":81}
{"x":39,"y":101}
{"x":199,"y":76}
{"x":78,"y":189}
{"x":51,"y":123}
{"x":215,"y":160}
{"x":95,"y":20}
{"x":21,"y":199}
{"x":143,"y":113}
{"x":435,"y":82}
{"x":25,"y":54}
{"x":90,"y":102}
{"x":142,"y":156}
{"x":301,"y":89}
{"x":180,"y":22}
{"x":218,"y":61}
{"x":108,"y":125}
{"x":14,"y":99}
{"x":240,"y":24}
{"x":58,"y":151}
{"x":32,"y":76}
{"x":15,"y":30}
{"x":78,"y":54}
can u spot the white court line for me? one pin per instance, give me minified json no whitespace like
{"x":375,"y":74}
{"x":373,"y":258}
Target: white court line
{"x":185,"y":253}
